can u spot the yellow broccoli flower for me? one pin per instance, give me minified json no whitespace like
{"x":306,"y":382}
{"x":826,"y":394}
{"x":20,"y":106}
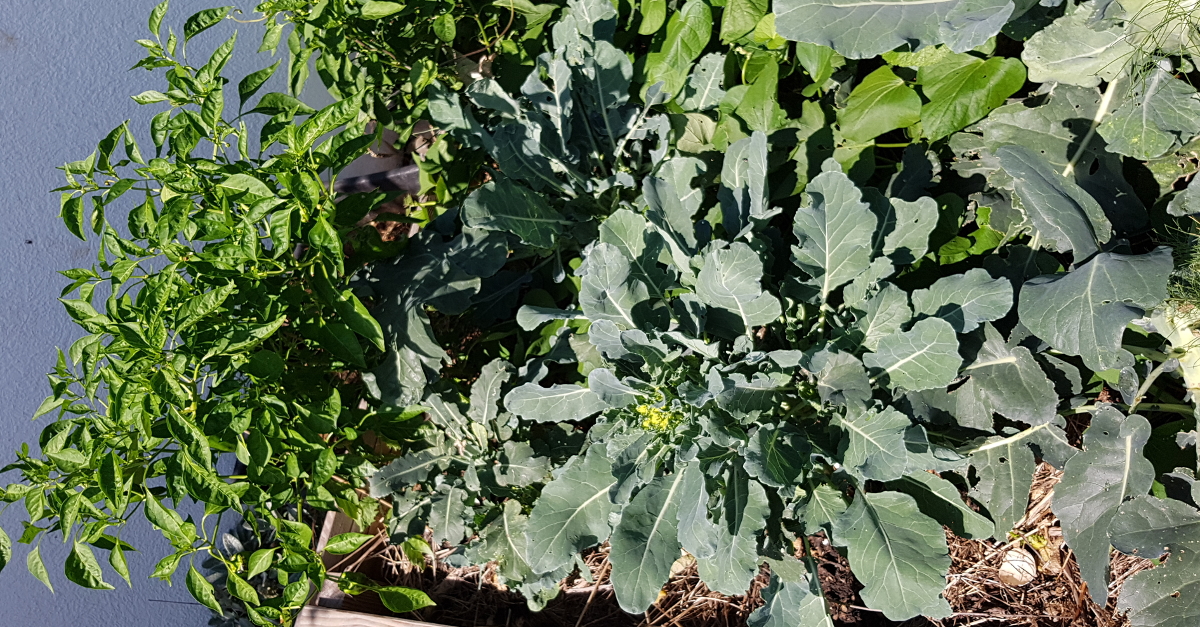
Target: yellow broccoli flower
{"x":657,"y":419}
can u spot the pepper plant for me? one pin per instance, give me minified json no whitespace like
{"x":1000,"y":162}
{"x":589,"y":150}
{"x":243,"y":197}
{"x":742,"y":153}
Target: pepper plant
{"x":218,"y":322}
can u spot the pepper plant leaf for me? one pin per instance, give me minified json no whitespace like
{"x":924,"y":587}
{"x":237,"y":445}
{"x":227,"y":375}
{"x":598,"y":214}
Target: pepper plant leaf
{"x":880,"y":103}
{"x":705,"y":85}
{"x":963,"y":89}
{"x":688,"y":32}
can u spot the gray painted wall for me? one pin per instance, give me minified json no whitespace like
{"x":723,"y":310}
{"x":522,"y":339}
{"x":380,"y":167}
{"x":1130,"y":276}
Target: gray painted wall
{"x":64,"y":83}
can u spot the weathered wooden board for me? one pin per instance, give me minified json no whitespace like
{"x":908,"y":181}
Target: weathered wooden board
{"x":315,"y":616}
{"x":333,"y":608}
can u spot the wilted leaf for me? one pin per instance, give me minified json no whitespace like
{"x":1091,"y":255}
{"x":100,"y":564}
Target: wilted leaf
{"x":501,"y":205}
{"x":776,"y":456}
{"x":874,"y":446}
{"x":730,"y":284}
{"x":788,"y":604}
{"x":1005,"y":469}
{"x":1062,"y":212}
{"x":939,"y":499}
{"x":1073,"y":51}
{"x":553,"y":404}
{"x":965,"y":300}
{"x":1160,"y":112}
{"x":1004,"y":380}
{"x":608,"y":291}
{"x":744,"y":510}
{"x":504,"y":542}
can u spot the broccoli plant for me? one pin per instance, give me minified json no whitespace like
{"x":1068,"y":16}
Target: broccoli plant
{"x":738,"y":396}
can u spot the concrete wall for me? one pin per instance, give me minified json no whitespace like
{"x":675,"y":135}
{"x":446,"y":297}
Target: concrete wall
{"x":64,"y":83}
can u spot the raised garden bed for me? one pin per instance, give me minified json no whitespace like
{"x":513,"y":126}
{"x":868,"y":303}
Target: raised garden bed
{"x":469,"y":597}
{"x":690,"y":293}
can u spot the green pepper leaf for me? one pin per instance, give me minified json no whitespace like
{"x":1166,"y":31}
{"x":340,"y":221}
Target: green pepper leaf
{"x":83,"y":569}
{"x":202,"y":590}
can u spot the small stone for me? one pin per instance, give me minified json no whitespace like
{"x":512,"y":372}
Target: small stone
{"x":1018,"y":569}
{"x":684,"y":562}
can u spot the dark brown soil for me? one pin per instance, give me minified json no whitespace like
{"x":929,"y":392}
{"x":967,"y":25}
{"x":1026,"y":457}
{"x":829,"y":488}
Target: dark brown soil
{"x":466,"y":335}
{"x":838,"y":584}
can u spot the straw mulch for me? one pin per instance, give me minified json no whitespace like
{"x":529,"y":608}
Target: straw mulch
{"x":1056,"y":597}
